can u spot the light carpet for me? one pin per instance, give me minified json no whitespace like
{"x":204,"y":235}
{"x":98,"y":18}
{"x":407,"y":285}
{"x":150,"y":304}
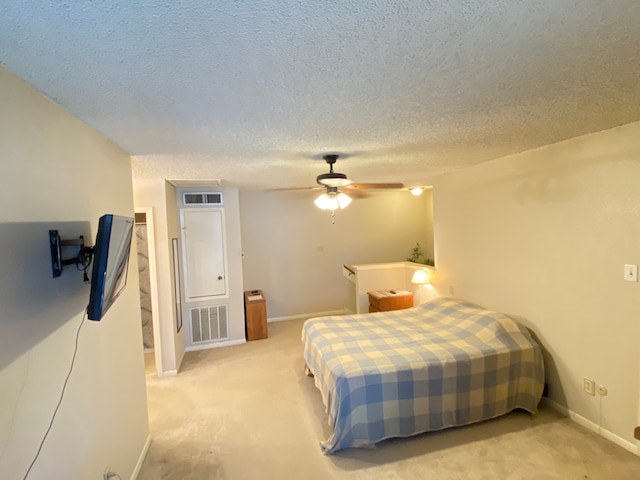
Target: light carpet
{"x":250,"y":412}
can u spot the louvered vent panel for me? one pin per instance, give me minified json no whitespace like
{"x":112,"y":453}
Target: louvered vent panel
{"x":193,"y":198}
{"x":222,"y":312}
{"x":209,"y":324}
{"x":213,"y":198}
{"x":196,"y":331}
{"x":203,"y":198}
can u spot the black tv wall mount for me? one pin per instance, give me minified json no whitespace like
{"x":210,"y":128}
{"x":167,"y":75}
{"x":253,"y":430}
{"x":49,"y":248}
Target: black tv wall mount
{"x":82,"y":260}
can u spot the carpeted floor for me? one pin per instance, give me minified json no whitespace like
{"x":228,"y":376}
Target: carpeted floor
{"x":249,"y":412}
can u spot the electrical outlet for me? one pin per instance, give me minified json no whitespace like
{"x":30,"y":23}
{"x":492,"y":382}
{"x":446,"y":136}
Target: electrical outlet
{"x":108,"y":474}
{"x":602,"y":390}
{"x":631,"y":273}
{"x":589,"y":386}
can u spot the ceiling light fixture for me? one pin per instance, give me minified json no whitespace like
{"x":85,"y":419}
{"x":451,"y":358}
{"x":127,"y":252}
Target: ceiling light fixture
{"x":416,"y":191}
{"x":332,"y":200}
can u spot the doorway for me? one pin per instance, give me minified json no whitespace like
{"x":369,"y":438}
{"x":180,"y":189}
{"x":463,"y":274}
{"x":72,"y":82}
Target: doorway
{"x":144,"y":282}
{"x":145,"y":242}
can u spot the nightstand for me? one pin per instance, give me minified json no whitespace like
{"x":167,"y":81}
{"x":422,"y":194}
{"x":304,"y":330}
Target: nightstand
{"x":255,"y":315}
{"x":388,"y":300}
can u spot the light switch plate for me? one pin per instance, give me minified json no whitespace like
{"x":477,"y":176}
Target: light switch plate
{"x":631,"y":273}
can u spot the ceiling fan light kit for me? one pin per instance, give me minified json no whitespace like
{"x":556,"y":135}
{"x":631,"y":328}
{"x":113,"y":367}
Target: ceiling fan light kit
{"x":332,"y":200}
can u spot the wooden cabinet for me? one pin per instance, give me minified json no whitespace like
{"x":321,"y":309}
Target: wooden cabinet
{"x":388,"y":300}
{"x":255,"y":315}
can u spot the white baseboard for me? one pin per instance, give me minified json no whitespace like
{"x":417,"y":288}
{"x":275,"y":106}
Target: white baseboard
{"x":344,"y":311}
{"x":141,"y":458}
{"x":195,"y":348}
{"x":594,"y":427}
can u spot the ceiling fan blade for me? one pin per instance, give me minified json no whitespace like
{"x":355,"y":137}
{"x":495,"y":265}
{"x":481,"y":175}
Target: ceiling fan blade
{"x":371,"y":186}
{"x":295,"y":189}
{"x":356,"y":193}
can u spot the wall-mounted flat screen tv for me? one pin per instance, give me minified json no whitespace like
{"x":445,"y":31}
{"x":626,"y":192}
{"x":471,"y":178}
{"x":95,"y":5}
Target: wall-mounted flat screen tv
{"x":110,"y":263}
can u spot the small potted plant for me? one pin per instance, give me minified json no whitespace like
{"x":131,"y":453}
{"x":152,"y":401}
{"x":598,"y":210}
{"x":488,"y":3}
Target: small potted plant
{"x":418,"y":257}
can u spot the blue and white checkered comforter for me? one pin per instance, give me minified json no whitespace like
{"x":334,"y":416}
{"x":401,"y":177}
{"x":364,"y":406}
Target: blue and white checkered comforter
{"x":394,"y":374}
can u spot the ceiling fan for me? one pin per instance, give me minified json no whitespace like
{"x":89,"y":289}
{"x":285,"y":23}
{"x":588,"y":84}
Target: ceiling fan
{"x":333,"y":199}
{"x":340,"y":180}
{"x":336,"y":184}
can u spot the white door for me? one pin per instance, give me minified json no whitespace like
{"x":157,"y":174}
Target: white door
{"x":203,"y":253}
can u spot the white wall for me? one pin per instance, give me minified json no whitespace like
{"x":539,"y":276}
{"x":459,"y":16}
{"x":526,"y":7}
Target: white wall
{"x":173,"y":231}
{"x":295,"y":255}
{"x":160,"y":195}
{"x":389,"y":276}
{"x":544,"y":236}
{"x":55,"y":172}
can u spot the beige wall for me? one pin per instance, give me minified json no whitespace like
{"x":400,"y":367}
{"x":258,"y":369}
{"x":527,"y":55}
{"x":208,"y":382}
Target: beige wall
{"x":295,"y":255}
{"x":544,"y":236}
{"x":55,"y":172}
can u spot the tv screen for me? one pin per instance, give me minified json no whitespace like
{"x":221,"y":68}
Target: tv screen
{"x":110,"y":263}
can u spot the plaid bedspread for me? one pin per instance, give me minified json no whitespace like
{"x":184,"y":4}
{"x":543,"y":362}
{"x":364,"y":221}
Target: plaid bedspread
{"x":442,"y":364}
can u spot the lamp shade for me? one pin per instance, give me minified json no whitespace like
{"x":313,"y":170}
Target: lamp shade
{"x":420,"y":277}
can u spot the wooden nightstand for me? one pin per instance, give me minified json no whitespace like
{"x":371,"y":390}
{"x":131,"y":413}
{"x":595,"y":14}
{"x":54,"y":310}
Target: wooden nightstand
{"x":255,"y":315}
{"x":388,"y":300}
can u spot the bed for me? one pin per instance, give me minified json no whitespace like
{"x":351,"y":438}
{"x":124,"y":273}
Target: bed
{"x":445,"y":363}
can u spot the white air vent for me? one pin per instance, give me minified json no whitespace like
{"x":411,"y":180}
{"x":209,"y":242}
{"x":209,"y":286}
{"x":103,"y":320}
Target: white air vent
{"x":209,"y":324}
{"x":202,"y":198}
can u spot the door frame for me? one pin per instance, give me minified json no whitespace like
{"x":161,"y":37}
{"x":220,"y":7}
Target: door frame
{"x":153,"y":285}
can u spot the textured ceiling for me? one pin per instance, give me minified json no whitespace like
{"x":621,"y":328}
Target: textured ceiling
{"x":252,"y":92}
